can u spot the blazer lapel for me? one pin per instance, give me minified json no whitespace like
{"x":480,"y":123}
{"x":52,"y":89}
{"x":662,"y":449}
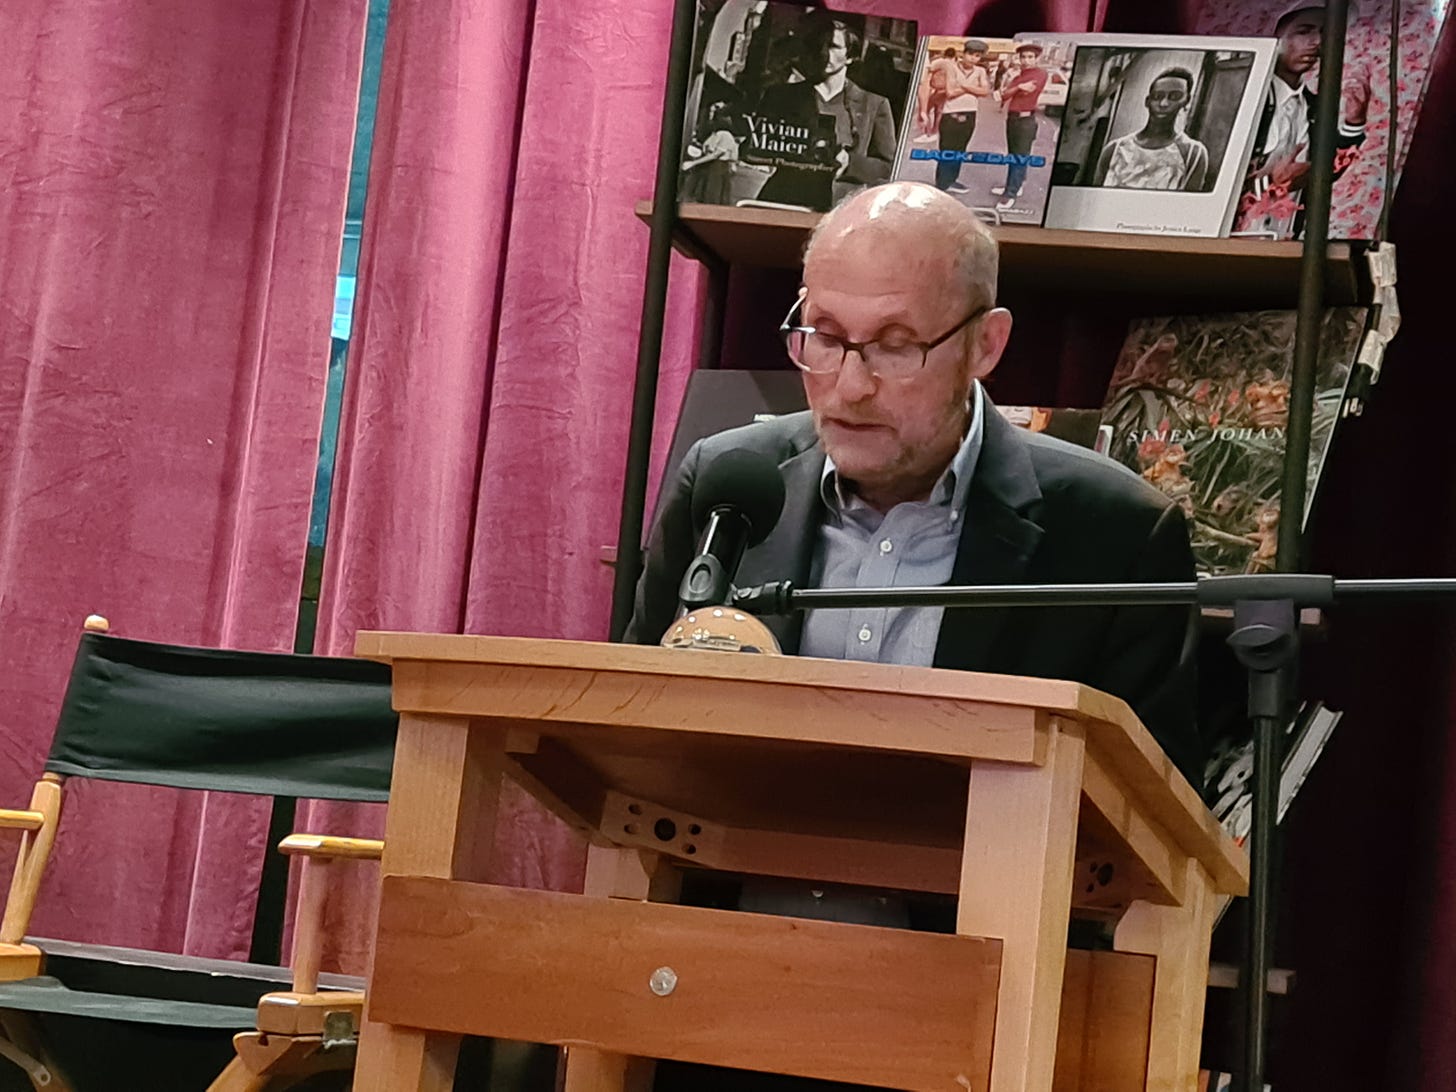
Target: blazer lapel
{"x":997,"y":542}
{"x":788,"y":552}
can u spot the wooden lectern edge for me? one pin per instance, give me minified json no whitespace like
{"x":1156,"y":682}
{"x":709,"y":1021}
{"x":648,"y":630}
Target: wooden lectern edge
{"x":1132,"y":751}
{"x":1053,"y":695}
{"x":1142,"y":762}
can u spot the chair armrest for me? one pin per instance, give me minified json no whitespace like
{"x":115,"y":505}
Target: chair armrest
{"x":11,"y":819}
{"x":319,"y":851}
{"x":37,"y":824}
{"x":328,"y":847}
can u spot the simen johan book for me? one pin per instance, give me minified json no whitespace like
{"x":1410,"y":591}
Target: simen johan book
{"x":1199,"y":404}
{"x":1156,"y":132}
{"x":1272,"y":201}
{"x":982,"y":121}
{"x":792,"y":106}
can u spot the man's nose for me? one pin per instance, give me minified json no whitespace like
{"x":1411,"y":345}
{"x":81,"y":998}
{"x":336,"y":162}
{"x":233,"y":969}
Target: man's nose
{"x":856,"y":381}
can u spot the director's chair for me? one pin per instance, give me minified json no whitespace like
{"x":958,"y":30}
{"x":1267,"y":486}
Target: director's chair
{"x":222,"y":721}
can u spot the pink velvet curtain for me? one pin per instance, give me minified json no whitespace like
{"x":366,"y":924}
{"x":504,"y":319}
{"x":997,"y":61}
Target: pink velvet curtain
{"x":479,"y":469}
{"x":172,"y":184}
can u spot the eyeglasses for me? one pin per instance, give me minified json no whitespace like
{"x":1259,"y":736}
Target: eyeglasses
{"x":892,"y":357}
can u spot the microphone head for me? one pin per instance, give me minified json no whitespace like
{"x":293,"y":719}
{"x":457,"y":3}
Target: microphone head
{"x":745,"y":481}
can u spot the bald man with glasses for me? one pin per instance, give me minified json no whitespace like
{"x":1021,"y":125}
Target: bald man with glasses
{"x":902,"y":473}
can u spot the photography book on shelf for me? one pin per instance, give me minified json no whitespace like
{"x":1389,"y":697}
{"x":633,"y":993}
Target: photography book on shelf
{"x":1230,"y":773}
{"x":1199,"y":405}
{"x":1082,"y":427}
{"x":982,"y":119}
{"x":1156,"y":132}
{"x":791,"y":106}
{"x":1272,"y":198}
{"x":1217,"y":1080}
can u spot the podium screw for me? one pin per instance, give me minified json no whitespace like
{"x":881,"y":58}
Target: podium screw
{"x":663,"y":981}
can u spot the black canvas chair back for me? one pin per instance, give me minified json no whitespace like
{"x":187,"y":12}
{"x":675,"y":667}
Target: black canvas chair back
{"x":188,"y":718}
{"x":271,"y":724}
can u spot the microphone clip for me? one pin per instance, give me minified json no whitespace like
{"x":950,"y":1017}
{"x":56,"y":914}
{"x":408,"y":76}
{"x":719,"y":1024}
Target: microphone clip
{"x":708,"y":581}
{"x":774,"y":598}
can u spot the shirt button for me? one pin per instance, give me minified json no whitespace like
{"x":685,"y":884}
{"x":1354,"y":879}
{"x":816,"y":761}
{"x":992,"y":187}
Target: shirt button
{"x":886,"y":545}
{"x":864,"y":633}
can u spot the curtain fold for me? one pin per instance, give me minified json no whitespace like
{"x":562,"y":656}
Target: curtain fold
{"x":421,"y":360}
{"x":172,"y":185}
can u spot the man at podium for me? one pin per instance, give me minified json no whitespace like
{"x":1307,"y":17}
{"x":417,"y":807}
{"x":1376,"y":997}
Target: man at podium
{"x":901,"y":473}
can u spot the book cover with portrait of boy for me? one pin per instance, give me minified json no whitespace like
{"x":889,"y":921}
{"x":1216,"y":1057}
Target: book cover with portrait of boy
{"x":1156,"y":132}
{"x":1272,"y":201}
{"x":1199,"y":406}
{"x":982,"y":120}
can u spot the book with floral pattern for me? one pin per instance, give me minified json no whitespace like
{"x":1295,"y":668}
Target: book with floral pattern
{"x":1199,"y":405}
{"x":1273,"y":195}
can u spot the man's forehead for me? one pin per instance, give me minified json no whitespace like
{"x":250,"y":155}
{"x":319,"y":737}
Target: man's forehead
{"x":879,"y":286}
{"x":1304,"y":19}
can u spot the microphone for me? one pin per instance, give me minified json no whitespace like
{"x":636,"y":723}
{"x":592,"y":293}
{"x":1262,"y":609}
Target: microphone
{"x":739,"y":497}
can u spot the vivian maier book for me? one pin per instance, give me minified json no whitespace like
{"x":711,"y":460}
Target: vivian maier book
{"x":792,"y":106}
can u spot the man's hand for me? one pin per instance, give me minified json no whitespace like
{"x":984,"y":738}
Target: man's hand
{"x":843,"y":160}
{"x":1026,"y":88}
{"x":1355,"y":98}
{"x":1290,"y":170}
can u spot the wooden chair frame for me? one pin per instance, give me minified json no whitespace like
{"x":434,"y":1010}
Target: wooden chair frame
{"x":304,"y":1030}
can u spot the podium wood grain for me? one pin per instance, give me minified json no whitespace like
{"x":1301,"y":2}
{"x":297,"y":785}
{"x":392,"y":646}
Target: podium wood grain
{"x":812,"y":998}
{"x":1030,"y":799}
{"x":441,"y":823}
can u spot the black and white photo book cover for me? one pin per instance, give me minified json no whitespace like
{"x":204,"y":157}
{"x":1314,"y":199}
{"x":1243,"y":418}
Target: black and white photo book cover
{"x":792,"y":106}
{"x":1156,"y":132}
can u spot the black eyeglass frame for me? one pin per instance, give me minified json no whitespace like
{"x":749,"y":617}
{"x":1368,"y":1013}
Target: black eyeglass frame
{"x":788,"y":329}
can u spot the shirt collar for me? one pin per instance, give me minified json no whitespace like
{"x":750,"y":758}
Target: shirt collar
{"x":1283,"y":92}
{"x":951,"y":487}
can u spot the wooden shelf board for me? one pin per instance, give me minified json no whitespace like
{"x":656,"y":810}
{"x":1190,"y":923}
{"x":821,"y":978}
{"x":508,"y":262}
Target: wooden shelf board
{"x":1224,"y":273}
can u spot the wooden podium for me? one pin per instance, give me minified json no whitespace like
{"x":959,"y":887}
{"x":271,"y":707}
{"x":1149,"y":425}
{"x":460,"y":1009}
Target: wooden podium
{"x":1030,"y":800}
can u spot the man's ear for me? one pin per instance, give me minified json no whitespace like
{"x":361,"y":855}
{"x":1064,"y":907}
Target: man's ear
{"x":988,"y":341}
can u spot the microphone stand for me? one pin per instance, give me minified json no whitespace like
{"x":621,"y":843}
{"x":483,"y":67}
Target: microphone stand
{"x":1265,"y":640}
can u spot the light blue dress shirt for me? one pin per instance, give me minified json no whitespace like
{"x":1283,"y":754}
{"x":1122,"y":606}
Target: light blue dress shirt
{"x":914,"y":544}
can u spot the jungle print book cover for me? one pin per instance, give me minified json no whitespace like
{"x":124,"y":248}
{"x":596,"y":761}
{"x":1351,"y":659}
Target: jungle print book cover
{"x":1199,"y":404}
